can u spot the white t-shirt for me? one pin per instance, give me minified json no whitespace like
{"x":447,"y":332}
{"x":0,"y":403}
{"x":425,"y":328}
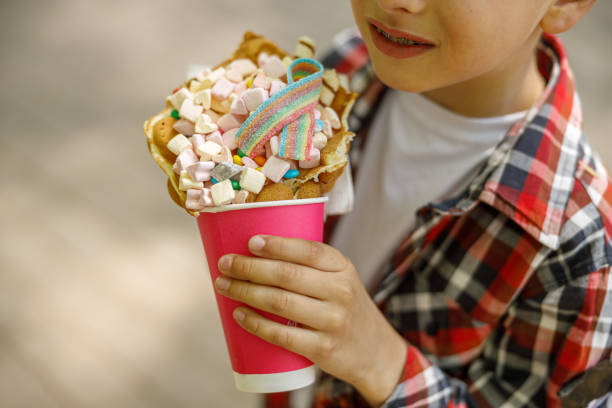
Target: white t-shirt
{"x":417,"y":152}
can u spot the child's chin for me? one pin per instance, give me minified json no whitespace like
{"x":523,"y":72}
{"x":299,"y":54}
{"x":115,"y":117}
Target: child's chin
{"x":402,"y":81}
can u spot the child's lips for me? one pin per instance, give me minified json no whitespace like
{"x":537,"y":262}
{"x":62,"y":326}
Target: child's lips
{"x":397,"y":33}
{"x":398,"y":47}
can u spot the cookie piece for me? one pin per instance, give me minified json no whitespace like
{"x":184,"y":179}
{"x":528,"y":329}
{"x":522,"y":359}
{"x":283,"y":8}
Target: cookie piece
{"x":275,"y":192}
{"x":163,"y":131}
{"x":309,"y":189}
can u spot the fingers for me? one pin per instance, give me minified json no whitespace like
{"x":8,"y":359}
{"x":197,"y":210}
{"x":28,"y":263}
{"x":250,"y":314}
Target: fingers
{"x":290,"y":276}
{"x":308,"y":253}
{"x":302,"y":309}
{"x":298,"y":340}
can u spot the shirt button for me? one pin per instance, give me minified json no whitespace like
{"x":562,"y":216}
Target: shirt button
{"x":431,"y":328}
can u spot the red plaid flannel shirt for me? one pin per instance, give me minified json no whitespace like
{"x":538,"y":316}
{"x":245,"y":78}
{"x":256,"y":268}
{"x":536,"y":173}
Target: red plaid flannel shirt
{"x":503,"y":293}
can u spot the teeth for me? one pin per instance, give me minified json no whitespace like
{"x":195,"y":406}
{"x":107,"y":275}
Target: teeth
{"x":401,"y":41}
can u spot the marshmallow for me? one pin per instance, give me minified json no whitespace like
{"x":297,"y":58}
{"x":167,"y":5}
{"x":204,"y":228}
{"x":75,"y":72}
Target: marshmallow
{"x":287,"y":60}
{"x":185,"y":159}
{"x":268,"y":149}
{"x":317,"y":114}
{"x":200,"y":171}
{"x":197,"y":140}
{"x":331,"y":115}
{"x":223,"y":156}
{"x":210,"y":79}
{"x":215,"y":137}
{"x":229,"y":138}
{"x":260,"y":81}
{"x":192,"y":202}
{"x":319,"y":140}
{"x":253,"y":98}
{"x":205,"y":125}
{"x":212,"y":115}
{"x":229,"y":121}
{"x":177,"y":98}
{"x":327,"y":129}
{"x":233,"y":75}
{"x":252,"y":180}
{"x":276,"y":86}
{"x":315,"y":159}
{"x":202,"y":74}
{"x":274,"y":145}
{"x":326,"y":97}
{"x":222,"y":89}
{"x":206,"y":198}
{"x":262,"y":58}
{"x":275,"y":168}
{"x":238,"y":107}
{"x":240,"y":197}
{"x":222,"y":192}
{"x":330,"y":79}
{"x":208,"y":150}
{"x":225,"y":170}
{"x":184,"y":127}
{"x":203,"y":98}
{"x":190,"y":111}
{"x":220,"y":106}
{"x":248,"y":162}
{"x":185,"y":182}
{"x":240,"y":88}
{"x":178,"y":143}
{"x":274,"y":67}
{"x":244,"y":66}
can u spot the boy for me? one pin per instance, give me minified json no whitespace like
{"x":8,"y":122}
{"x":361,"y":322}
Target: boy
{"x":499,"y":292}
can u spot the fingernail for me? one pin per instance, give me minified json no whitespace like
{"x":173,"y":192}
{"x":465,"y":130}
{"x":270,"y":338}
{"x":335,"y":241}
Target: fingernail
{"x":225,"y":263}
{"x":222,"y":283}
{"x":256,"y":243}
{"x":239,"y":315}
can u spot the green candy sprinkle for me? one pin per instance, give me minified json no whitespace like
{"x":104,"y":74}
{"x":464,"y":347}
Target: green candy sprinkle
{"x":235,"y":185}
{"x":175,"y":114}
{"x":241,"y":153}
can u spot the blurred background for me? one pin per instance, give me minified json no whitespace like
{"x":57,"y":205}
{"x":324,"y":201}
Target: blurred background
{"x":105,"y":298}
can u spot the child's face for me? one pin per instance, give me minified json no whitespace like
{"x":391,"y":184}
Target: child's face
{"x":469,"y":38}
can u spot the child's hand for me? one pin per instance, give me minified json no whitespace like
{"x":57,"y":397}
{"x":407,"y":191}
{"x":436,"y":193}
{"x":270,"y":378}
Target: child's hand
{"x":313,"y":284}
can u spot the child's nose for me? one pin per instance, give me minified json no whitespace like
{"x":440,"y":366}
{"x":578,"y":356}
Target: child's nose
{"x":403,"y":6}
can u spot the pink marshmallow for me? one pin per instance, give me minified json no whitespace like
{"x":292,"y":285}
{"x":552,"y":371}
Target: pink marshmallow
{"x":229,"y":121}
{"x":248,"y":162}
{"x":214,"y":117}
{"x":190,"y":111}
{"x":192,"y":201}
{"x":197,"y":140}
{"x":315,"y":159}
{"x":240,"y":88}
{"x":260,"y":81}
{"x":206,"y":197}
{"x":238,"y":107}
{"x":276,"y":86}
{"x":317,"y":113}
{"x":222,"y":89}
{"x":275,"y":168}
{"x":240,"y":197}
{"x":215,"y":137}
{"x":253,"y":98}
{"x":274,"y":67}
{"x":262,"y":58}
{"x":185,"y":159}
{"x":268,"y":150}
{"x":229,"y":138}
{"x":200,"y":171}
{"x":184,"y":127}
{"x":233,"y":75}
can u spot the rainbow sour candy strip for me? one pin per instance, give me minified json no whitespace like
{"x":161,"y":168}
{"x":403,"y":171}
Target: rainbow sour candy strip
{"x":291,"y":110}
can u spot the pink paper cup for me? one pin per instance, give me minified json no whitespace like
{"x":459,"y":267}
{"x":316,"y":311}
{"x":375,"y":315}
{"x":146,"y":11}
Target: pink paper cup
{"x":259,"y":366}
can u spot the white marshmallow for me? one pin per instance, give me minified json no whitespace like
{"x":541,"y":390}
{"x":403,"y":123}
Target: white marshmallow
{"x":240,"y":197}
{"x":275,"y":145}
{"x":319,"y":140}
{"x":185,"y":182}
{"x":222,"y":89}
{"x":192,"y":201}
{"x":262,"y":58}
{"x":225,"y":155}
{"x":215,"y":137}
{"x":208,"y":150}
{"x":177,"y":98}
{"x":206,"y":198}
{"x":244,"y":66}
{"x":276,"y":86}
{"x":275,"y":168}
{"x":238,"y":107}
{"x":252,"y":180}
{"x":190,"y":111}
{"x":233,"y":75}
{"x":254,"y":97}
{"x":248,"y":162}
{"x":184,"y":126}
{"x":205,"y":125}
{"x":185,"y":159}
{"x":229,"y":138}
{"x":222,"y":192}
{"x":274,"y":67}
{"x":331,"y":115}
{"x":178,"y":143}
{"x":201,"y":170}
{"x":197,"y":140}
{"x":203,"y":98}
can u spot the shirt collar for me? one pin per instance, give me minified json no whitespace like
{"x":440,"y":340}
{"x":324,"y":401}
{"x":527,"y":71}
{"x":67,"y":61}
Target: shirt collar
{"x":530,"y":175}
